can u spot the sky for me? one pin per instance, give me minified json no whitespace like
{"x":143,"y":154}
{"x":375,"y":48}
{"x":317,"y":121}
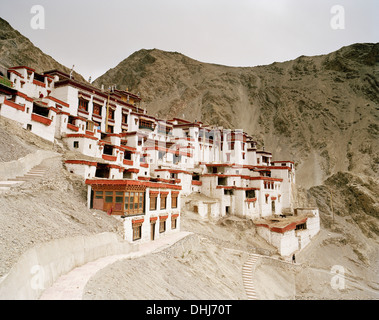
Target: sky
{"x":97,"y":35}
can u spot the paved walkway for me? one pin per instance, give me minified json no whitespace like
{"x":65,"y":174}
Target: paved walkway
{"x":71,"y":285}
{"x":247,"y":277}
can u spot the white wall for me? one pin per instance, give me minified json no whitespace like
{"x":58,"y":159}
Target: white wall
{"x":40,"y":266}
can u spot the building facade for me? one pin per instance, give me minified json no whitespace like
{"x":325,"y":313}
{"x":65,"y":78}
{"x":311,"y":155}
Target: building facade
{"x":137,"y":166}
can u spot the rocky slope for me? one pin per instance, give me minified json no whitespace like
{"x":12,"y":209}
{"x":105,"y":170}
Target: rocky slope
{"x":320,"y":111}
{"x":17,"y":50}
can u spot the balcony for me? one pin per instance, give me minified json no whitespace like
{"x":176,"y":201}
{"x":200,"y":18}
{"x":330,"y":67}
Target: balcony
{"x":109,"y":158}
{"x":41,"y":119}
{"x":6,"y":82}
{"x":14,"y":105}
{"x":72,"y":127}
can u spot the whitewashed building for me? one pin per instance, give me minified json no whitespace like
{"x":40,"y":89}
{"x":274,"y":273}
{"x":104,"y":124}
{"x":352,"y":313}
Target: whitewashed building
{"x":136,"y":166}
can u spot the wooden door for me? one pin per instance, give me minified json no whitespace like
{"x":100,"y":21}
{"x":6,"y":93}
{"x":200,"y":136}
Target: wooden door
{"x":152,"y":231}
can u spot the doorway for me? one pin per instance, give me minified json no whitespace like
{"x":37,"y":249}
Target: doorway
{"x":273,"y":207}
{"x":152,"y":231}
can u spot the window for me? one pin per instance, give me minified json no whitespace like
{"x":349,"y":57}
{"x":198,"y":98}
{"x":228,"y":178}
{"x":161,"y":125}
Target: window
{"x":228,"y":192}
{"x":163,"y":201}
{"x":174,"y":201}
{"x":111,"y":114}
{"x":301,"y":226}
{"x":162,"y":226}
{"x":83,"y":104}
{"x":110,"y":129}
{"x":108,"y":149}
{"x":109,"y":196}
{"x":124,"y":118}
{"x":153,"y":202}
{"x":97,"y":109}
{"x":89,"y":125}
{"x":29,"y":127}
{"x":250,"y":194}
{"x":137,"y":231}
{"x":119,"y":197}
{"x":173,"y":223}
{"x":127,"y":203}
{"x":76,"y":144}
{"x":143,"y":124}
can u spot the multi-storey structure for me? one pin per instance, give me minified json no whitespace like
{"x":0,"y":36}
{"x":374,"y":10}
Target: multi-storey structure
{"x":136,"y":166}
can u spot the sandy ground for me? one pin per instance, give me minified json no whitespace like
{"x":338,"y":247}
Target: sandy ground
{"x":316,"y":276}
{"x":208,"y":265}
{"x":193,"y":268}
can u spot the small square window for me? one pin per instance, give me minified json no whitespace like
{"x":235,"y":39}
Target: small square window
{"x":76,"y":144}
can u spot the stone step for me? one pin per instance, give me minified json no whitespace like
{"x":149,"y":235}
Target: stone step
{"x":9,"y":183}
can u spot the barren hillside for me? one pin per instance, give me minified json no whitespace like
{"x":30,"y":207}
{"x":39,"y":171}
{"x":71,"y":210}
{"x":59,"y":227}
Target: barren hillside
{"x":17,"y":50}
{"x":47,"y":208}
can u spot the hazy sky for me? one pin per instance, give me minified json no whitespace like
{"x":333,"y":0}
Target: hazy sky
{"x":96,"y":35}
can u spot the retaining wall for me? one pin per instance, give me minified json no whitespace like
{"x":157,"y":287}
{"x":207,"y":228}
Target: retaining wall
{"x":12,"y":169}
{"x":39,"y":267}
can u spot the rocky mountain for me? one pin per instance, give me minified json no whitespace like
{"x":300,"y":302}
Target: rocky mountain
{"x":16,"y":50}
{"x":321,"y":111}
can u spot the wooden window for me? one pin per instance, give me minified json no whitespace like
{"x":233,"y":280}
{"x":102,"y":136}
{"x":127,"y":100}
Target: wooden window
{"x":137,"y":232}
{"x":163,"y":201}
{"x":140,"y":201}
{"x":111,"y":114}
{"x":173,"y":223}
{"x":143,"y":124}
{"x":124,"y":118}
{"x":99,"y":194}
{"x":97,"y":109}
{"x":153,"y":202}
{"x":83,"y":104}
{"x":98,"y":201}
{"x":128,"y":202}
{"x":162,"y":226}
{"x":89,"y":126}
{"x":110,"y":129}
{"x":109,"y":196}
{"x":133,"y":203}
{"x":174,"y":201}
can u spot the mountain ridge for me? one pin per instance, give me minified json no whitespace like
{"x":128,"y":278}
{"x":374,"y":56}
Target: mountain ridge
{"x":16,"y":50}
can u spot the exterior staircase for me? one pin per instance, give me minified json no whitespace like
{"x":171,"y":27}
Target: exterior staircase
{"x":34,"y":173}
{"x":247,"y":277}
